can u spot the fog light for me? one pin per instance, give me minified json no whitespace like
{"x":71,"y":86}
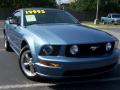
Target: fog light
{"x":46,"y":63}
{"x":54,"y":64}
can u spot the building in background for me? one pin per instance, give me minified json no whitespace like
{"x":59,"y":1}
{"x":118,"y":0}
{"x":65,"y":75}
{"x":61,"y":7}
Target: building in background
{"x":64,"y":1}
{"x":62,"y":4}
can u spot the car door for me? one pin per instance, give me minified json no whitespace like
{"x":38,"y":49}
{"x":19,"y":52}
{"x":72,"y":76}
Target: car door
{"x":109,"y":18}
{"x":16,"y":36}
{"x":7,"y":27}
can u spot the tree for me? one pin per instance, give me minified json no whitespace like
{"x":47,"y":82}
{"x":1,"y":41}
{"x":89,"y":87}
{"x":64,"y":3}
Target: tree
{"x":25,"y":3}
{"x":83,"y":5}
{"x":90,"y":5}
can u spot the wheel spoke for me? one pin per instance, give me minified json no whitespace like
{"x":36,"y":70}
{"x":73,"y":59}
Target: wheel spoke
{"x":31,"y":66}
{"x":26,"y":64}
{"x":32,"y":69}
{"x":27,"y":57}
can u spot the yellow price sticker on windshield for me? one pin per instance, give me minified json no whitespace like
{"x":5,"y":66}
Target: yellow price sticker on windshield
{"x":43,"y":11}
{"x":38,"y":11}
{"x":28,"y":12}
{"x":34,"y":11}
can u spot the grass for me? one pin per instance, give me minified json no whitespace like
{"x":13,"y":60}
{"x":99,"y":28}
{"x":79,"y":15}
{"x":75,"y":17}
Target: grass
{"x":100,"y":25}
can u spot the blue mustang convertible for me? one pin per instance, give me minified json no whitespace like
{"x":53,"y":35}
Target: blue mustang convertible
{"x":51,"y":43}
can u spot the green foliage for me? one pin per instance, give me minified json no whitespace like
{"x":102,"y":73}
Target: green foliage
{"x":90,"y":5}
{"x":83,"y":5}
{"x":27,"y":3}
{"x":110,"y":5}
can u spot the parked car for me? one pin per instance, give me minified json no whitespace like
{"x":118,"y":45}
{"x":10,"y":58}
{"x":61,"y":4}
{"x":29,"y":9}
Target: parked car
{"x":51,"y":43}
{"x":111,"y":19}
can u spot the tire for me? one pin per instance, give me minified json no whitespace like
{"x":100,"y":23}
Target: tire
{"x":114,"y":23}
{"x":26,"y":65}
{"x":103,"y":22}
{"x":6,"y":44}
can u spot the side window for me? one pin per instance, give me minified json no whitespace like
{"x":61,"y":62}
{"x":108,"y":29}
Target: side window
{"x":17,"y":17}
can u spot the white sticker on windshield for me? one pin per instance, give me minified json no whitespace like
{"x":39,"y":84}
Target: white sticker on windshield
{"x":30,"y":18}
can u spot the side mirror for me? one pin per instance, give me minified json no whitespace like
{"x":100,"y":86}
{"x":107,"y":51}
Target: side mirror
{"x":10,"y":21}
{"x":13,"y":21}
{"x":9,"y":18}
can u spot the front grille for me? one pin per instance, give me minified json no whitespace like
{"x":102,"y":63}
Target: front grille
{"x":88,"y":71}
{"x":86,"y":51}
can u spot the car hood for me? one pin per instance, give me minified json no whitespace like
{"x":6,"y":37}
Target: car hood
{"x":69,"y":34}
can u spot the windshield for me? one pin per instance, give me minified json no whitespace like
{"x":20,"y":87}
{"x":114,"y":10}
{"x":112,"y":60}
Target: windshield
{"x":116,"y":16}
{"x":47,"y":17}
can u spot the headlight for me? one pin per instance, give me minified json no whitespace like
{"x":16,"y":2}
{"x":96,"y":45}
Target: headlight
{"x":74,"y":49}
{"x":47,"y":50}
{"x":108,"y":46}
{"x":52,"y":50}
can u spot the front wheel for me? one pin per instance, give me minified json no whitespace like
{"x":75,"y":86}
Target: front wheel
{"x":26,"y":64}
{"x":114,"y":23}
{"x":103,"y":22}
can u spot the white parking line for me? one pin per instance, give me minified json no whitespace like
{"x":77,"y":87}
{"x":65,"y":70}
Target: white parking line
{"x":20,"y":86}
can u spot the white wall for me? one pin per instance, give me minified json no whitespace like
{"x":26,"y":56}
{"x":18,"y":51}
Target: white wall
{"x":64,"y":1}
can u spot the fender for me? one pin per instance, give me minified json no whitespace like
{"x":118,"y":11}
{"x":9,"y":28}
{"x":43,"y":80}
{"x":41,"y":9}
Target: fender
{"x":30,"y":42}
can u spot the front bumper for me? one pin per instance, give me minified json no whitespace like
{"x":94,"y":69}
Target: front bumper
{"x":76,"y":67}
{"x":117,"y":22}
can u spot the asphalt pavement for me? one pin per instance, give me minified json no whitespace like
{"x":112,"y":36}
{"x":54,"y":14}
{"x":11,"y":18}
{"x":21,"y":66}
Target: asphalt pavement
{"x":11,"y":77}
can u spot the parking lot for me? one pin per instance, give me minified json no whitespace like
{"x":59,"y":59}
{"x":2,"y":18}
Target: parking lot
{"x":12,"y":78}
